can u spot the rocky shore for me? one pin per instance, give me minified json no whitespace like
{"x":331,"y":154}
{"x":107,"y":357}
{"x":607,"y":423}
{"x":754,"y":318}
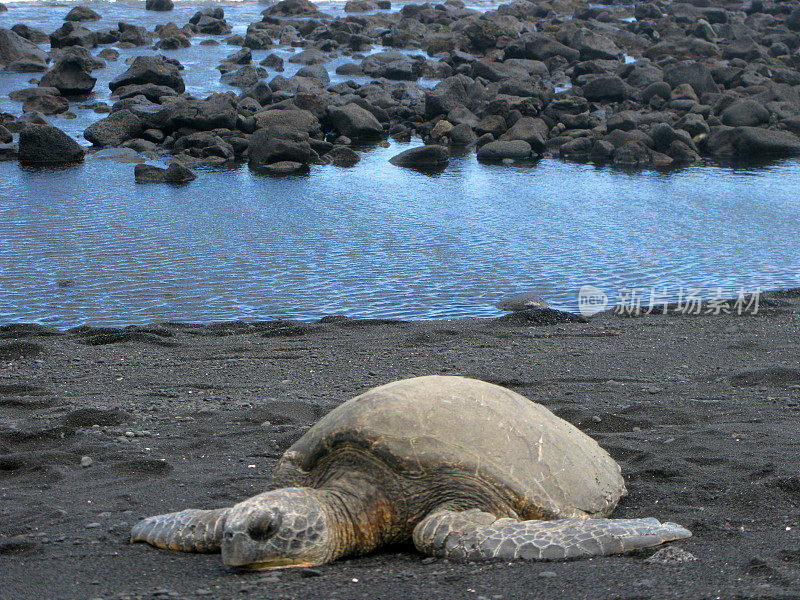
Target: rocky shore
{"x":644,"y":84}
{"x":101,"y":426}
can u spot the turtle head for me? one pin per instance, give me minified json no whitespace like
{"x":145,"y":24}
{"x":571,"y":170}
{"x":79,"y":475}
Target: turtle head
{"x":282,"y":528}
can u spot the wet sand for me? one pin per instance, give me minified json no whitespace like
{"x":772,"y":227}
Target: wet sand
{"x":702,"y":413}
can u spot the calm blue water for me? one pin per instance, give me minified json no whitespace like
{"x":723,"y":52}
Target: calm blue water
{"x":87,"y":245}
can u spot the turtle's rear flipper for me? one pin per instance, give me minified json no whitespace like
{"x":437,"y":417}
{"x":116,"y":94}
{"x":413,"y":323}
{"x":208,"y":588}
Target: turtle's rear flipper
{"x":186,"y":531}
{"x":476,"y":535}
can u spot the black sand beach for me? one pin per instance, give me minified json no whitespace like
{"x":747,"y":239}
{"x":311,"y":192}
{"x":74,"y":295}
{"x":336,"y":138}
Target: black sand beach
{"x":701,"y":412}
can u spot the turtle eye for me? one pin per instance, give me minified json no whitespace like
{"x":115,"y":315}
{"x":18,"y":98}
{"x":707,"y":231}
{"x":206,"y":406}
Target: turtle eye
{"x":263,"y":527}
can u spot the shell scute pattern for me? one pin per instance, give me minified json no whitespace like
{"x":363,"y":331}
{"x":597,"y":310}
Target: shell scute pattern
{"x":428,"y":425}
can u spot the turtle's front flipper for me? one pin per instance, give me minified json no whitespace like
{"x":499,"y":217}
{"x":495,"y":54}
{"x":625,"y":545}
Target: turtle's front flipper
{"x":476,"y":535}
{"x":186,"y":531}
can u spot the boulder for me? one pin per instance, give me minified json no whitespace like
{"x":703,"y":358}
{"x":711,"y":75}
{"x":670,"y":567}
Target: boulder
{"x":293,"y":8}
{"x":592,"y":45}
{"x":245,"y":77}
{"x":116,"y":128}
{"x":47,"y":105}
{"x":82,"y":13}
{"x":504,"y":149}
{"x":150,"y":69}
{"x":277,"y":144}
{"x":154,"y":93}
{"x":632,"y":154}
{"x":283,"y":167}
{"x":453,"y":92}
{"x":540,"y":47}
{"x":47,"y":145}
{"x":462,"y":135}
{"x":342,"y":156}
{"x":73,"y":34}
{"x":294,"y":119}
{"x":604,"y":89}
{"x":423,"y":157}
{"x":309,"y":56}
{"x":159,"y":5}
{"x":318,"y":72}
{"x":30,"y":33}
{"x":694,"y":73}
{"x":18,"y":54}
{"x":69,"y":75}
{"x":531,"y":130}
{"x":217,"y":111}
{"x":174,"y":173}
{"x":356,"y":6}
{"x":133,"y":34}
{"x":354,"y":121}
{"x":5,"y":136}
{"x":391,"y":65}
{"x":745,"y":113}
{"x":577,"y":148}
{"x":751,"y":142}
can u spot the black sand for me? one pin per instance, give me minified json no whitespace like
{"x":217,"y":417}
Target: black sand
{"x":702,"y":413}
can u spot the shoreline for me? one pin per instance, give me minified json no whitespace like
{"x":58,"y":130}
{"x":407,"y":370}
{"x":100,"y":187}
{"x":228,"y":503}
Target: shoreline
{"x":701,"y":413}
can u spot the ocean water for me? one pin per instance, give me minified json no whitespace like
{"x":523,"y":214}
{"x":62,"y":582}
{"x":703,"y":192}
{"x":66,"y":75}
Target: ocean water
{"x":85,"y":244}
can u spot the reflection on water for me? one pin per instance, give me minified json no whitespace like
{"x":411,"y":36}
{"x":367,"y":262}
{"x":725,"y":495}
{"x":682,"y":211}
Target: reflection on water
{"x":86,"y":244}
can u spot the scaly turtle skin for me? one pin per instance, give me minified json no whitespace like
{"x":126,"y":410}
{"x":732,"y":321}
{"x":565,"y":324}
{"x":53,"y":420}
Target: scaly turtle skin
{"x":463,"y":468}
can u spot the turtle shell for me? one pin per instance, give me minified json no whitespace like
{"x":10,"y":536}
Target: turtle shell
{"x":443,"y":424}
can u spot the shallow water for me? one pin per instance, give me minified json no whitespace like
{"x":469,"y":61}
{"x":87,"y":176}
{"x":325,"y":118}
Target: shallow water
{"x":85,"y":244}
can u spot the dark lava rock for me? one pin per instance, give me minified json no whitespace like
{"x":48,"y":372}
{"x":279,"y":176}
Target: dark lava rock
{"x":154,"y":93}
{"x":751,"y":142}
{"x":69,"y":75}
{"x":342,"y":156}
{"x":284,"y":167}
{"x":116,"y":128}
{"x":133,"y":34}
{"x":521,"y":302}
{"x":531,"y":130}
{"x":175,"y":173}
{"x":500,"y":150}
{"x":296,"y":119}
{"x":245,"y":77}
{"x":45,"y":144}
{"x":430,"y":156}
{"x":745,"y":113}
{"x":9,"y":152}
{"x":539,"y":316}
{"x":610,"y":88}
{"x":218,"y":111}
{"x":150,"y":69}
{"x":82,"y":13}
{"x":540,"y":47}
{"x":277,"y":144}
{"x":30,"y":33}
{"x":694,"y":73}
{"x":159,"y":5}
{"x":73,"y":34}
{"x":19,"y":54}
{"x":354,"y":121}
{"x":592,"y":45}
{"x":449,"y":94}
{"x":5,"y":135}
{"x":47,"y":104}
{"x":293,"y":8}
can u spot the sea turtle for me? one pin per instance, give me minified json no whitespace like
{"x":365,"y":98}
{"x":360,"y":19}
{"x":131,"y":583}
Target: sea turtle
{"x":464,"y":468}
